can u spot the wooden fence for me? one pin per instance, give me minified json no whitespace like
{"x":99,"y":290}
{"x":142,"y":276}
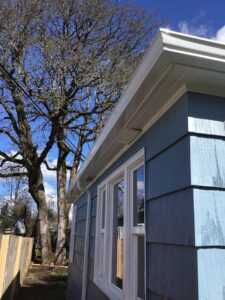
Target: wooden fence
{"x":15,"y":258}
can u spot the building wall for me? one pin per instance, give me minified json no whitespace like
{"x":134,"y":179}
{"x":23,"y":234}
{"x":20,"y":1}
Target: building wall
{"x":185,"y":178}
{"x":74,"y":286}
{"x":207,"y":146}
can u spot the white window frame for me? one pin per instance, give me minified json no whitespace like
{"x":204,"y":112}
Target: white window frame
{"x":103,"y":261}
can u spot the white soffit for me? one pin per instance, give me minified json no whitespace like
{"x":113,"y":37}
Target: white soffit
{"x":173,"y":64}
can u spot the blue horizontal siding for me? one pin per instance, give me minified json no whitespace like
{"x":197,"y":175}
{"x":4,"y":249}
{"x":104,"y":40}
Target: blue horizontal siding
{"x":170,"y":219}
{"x":74,"y":284}
{"x":81,"y":213}
{"x":164,"y":143}
{"x":209,"y":210}
{"x":172,"y":271}
{"x":94,"y":293}
{"x":170,"y":171}
{"x":185,"y":178}
{"x":206,"y":122}
{"x":211,"y":274}
{"x":207,"y":162}
{"x":206,"y":114}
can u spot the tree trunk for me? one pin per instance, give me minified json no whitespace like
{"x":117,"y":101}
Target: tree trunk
{"x":63,"y":218}
{"x":46,"y":249}
{"x":36,"y":188}
{"x":63,"y":209}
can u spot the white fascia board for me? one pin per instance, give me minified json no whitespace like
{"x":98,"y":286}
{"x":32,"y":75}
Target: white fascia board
{"x":185,"y":43}
{"x":139,"y":75}
{"x":168,"y":48}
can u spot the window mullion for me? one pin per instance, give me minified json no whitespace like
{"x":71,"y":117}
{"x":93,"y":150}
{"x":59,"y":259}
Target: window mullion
{"x":128,"y":247}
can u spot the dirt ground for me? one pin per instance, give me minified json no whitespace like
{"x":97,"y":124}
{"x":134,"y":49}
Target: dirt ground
{"x":44,"y":283}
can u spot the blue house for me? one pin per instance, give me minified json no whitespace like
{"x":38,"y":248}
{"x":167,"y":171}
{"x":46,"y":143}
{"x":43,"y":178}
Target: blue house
{"x":149,"y":201}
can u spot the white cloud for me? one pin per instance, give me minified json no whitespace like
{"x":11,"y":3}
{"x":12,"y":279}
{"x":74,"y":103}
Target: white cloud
{"x":51,"y":175}
{"x":49,"y":189}
{"x":51,"y":197}
{"x":220,"y":35}
{"x":201,"y":30}
{"x":140,"y":185}
{"x":48,"y":174}
{"x":199,"y":25}
{"x":183,"y":27}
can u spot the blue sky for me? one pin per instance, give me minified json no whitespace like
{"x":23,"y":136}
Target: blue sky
{"x":201,"y":17}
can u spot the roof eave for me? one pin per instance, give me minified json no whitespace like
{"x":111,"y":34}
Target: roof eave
{"x":170,"y":52}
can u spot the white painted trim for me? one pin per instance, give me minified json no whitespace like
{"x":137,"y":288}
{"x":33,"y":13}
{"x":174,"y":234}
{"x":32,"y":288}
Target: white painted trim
{"x":72,"y":234}
{"x":134,"y":231}
{"x":104,"y":261}
{"x":86,"y":249}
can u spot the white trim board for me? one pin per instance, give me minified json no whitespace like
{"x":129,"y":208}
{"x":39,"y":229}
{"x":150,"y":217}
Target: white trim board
{"x":103,"y":248}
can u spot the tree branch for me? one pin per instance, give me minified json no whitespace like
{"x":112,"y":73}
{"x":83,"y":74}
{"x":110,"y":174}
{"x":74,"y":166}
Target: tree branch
{"x":14,"y":174}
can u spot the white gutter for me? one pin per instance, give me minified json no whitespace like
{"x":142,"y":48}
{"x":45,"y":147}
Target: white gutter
{"x":169,"y":48}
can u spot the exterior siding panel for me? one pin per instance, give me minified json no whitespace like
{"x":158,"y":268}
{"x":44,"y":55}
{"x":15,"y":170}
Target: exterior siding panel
{"x":209,"y":208}
{"x":206,"y":114}
{"x":206,"y":121}
{"x":170,"y":171}
{"x":95,"y":293}
{"x":166,"y":132}
{"x":172,"y":271}
{"x":170,"y":219}
{"x":185,"y":186}
{"x":211,"y":274}
{"x":74,"y":282}
{"x":207,"y":162}
{"x":166,"y":145}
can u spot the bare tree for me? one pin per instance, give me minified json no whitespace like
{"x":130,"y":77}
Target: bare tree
{"x":64,"y":65}
{"x":20,"y":118}
{"x":93,"y":48}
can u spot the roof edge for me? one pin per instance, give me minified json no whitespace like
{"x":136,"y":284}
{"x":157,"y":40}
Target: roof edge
{"x":166,"y":41}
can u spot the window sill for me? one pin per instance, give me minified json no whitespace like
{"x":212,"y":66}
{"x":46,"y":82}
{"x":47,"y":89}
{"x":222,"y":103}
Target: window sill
{"x":108,"y":289}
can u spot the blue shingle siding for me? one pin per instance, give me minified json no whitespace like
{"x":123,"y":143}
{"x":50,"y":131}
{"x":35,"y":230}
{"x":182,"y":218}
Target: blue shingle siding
{"x":170,"y":219}
{"x":74,"y":284}
{"x":185,"y":202}
{"x":209,"y":207}
{"x":172,"y":271}
{"x":169,"y":171}
{"x":207,"y":149}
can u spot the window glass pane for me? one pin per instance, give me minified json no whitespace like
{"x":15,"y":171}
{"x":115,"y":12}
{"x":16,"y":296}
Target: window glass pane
{"x":103,"y":209}
{"x":138,"y":196}
{"x":117,"y":239}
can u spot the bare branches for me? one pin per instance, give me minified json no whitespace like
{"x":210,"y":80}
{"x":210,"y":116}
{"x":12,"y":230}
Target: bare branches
{"x":11,"y":158}
{"x":49,"y":167}
{"x":48,"y":145}
{"x":63,"y":66}
{"x":13,"y":174}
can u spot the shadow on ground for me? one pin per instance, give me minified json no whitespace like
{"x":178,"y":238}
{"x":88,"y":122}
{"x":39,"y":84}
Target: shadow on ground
{"x":44,"y":283}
